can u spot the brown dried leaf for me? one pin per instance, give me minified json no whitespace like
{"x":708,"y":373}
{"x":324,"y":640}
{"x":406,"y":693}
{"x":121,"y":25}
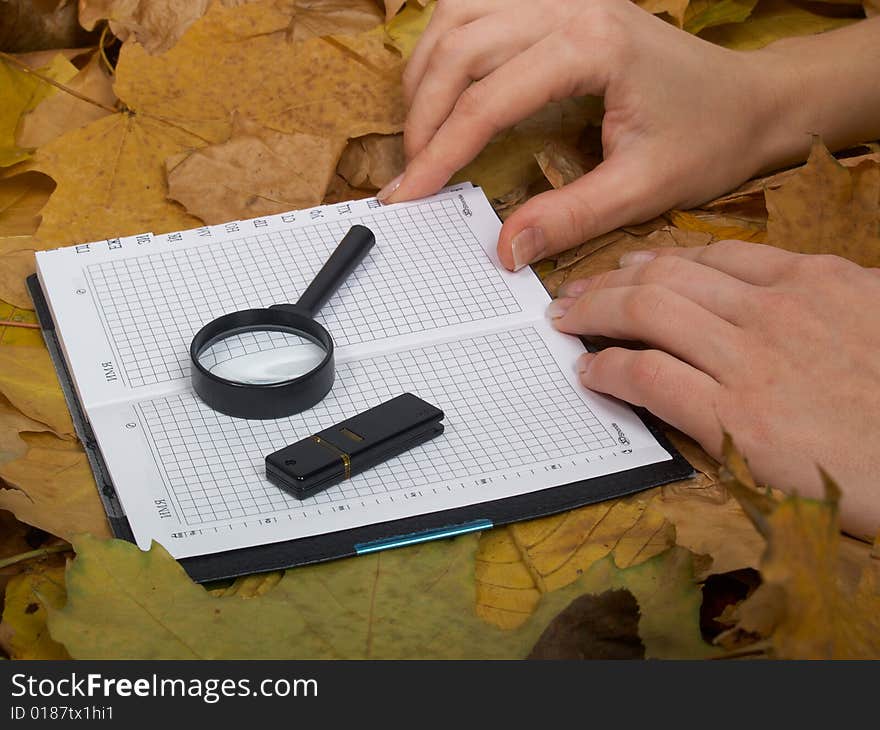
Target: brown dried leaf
{"x":603,"y":253}
{"x":155,"y":24}
{"x":372,"y":161}
{"x":62,"y":112}
{"x":718,"y":225}
{"x":335,"y":86}
{"x":257,"y":171}
{"x":804,"y":607}
{"x":825,"y":207}
{"x":605,"y":626}
{"x":30,"y":25}
{"x":111,"y":180}
{"x":561,"y":163}
{"x":51,"y":487}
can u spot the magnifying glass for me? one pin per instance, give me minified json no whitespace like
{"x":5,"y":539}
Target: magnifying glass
{"x":272,"y":363}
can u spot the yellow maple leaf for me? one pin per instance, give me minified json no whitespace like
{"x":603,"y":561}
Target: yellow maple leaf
{"x":23,"y":632}
{"x":67,"y":109}
{"x":262,"y":172}
{"x":331,"y":86}
{"x":52,"y":487}
{"x":519,"y":563}
{"x":772,"y":20}
{"x":21,"y":91}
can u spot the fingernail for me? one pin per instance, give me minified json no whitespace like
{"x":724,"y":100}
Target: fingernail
{"x":631,"y":258}
{"x":527,"y":246}
{"x":558,"y":307}
{"x":389,"y":189}
{"x":574,"y":288}
{"x":582,"y":364}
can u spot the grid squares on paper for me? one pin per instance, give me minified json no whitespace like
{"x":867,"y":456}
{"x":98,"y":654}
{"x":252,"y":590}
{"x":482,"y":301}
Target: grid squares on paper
{"x":426,"y":271}
{"x":506,"y":403}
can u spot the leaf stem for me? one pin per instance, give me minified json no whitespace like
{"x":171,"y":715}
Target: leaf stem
{"x":102,"y":51}
{"x":10,"y":323}
{"x":27,"y":69}
{"x":40,"y":553}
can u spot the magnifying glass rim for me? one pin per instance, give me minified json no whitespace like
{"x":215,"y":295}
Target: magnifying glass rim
{"x":228,"y":332}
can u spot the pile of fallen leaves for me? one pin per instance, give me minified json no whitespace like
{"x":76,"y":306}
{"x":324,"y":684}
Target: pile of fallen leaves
{"x":162,"y":115}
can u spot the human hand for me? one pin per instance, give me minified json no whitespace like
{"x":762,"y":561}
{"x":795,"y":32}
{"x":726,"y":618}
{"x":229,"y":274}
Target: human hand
{"x":781,"y":350}
{"x":683,"y":118}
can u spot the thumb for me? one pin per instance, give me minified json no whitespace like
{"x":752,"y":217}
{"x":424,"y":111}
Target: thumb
{"x":619,"y":191}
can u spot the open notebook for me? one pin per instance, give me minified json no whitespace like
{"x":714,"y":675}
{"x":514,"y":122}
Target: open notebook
{"x":429,"y":311}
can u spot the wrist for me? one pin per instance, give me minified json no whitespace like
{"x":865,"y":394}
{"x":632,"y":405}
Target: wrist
{"x":782,"y":101}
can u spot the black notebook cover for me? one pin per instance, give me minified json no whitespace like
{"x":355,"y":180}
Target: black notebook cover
{"x":280,"y":555}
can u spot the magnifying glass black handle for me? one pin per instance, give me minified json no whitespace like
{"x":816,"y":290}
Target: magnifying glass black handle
{"x":345,"y":259}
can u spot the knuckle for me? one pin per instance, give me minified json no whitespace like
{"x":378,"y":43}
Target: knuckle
{"x":660,"y":269}
{"x":472,"y":101}
{"x":646,"y":371}
{"x":449,"y":46}
{"x":600,"y":22}
{"x":448,"y":8}
{"x":605,"y":365}
{"x":645,"y":304}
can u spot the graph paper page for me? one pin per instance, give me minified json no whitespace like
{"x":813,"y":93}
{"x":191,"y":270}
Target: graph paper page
{"x":430,"y":312}
{"x":516,"y":421}
{"x":127,"y":309}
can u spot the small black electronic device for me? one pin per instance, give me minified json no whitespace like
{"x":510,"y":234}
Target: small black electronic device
{"x":353,"y":445}
{"x":272,"y":363}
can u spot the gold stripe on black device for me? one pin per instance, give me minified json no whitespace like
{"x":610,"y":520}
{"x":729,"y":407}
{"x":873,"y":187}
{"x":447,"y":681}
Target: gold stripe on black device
{"x":353,"y":445}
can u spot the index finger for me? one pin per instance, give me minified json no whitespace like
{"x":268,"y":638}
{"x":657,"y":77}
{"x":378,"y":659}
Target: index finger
{"x":447,"y":15}
{"x":543,"y":73}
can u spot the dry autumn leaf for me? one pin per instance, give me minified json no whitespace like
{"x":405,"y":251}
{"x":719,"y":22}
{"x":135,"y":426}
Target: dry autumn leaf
{"x":804,"y":609}
{"x":12,"y":423}
{"x":21,"y":199}
{"x":772,"y":20}
{"x":518,"y":564}
{"x":23,"y":631}
{"x":675,"y":9}
{"x":110,"y":174}
{"x":155,"y":24}
{"x":334,"y":86}
{"x":111,"y":180}
{"x":415,"y":602}
{"x":52,"y":487}
{"x":405,"y":29}
{"x":508,"y":161}
{"x":561,"y":163}
{"x":256,"y":172}
{"x":30,"y":384}
{"x":29,"y":25}
{"x":594,"y":627}
{"x":372,"y":161}
{"x":158,"y":24}
{"x":825,"y":207}
{"x":63,"y":111}
{"x":22,"y":196}
{"x":702,"y":14}
{"x":20,"y":92}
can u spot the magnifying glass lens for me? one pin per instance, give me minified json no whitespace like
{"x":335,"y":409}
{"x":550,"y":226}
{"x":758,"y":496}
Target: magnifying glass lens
{"x":261,"y":356}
